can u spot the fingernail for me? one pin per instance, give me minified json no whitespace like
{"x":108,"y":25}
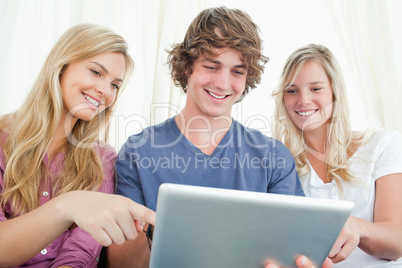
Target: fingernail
{"x":272,"y":266}
{"x":303,"y":260}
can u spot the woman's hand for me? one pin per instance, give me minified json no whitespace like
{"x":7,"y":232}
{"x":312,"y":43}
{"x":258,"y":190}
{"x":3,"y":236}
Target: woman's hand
{"x":108,"y":218}
{"x":347,"y":241}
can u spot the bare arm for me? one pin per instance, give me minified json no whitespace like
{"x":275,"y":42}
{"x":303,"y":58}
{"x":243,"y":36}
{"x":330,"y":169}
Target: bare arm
{"x":383,"y":237}
{"x":106,"y":217}
{"x":37,"y":228}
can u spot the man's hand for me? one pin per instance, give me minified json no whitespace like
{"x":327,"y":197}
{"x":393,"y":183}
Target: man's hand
{"x":303,"y":262}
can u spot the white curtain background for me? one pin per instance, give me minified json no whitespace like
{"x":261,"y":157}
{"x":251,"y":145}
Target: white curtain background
{"x":371,"y":38}
{"x":29,"y":28}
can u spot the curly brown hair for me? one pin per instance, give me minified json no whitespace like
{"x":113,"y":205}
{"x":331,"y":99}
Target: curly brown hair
{"x":236,"y":30}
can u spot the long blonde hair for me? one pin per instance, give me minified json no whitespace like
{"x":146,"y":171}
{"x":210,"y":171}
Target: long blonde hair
{"x":339,"y":133}
{"x":27,"y":133}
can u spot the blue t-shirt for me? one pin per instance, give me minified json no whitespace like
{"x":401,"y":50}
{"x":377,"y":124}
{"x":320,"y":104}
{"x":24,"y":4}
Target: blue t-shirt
{"x":245,"y":159}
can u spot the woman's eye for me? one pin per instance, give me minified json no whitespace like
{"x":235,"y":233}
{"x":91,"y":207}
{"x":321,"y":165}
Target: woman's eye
{"x":316,"y":89}
{"x":115,"y":86}
{"x":95,"y":72}
{"x":290,"y":91}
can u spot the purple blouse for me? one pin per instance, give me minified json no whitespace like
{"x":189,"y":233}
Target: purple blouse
{"x":74,"y":247}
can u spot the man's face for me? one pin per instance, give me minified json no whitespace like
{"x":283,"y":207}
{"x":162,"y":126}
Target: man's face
{"x":216,"y":83}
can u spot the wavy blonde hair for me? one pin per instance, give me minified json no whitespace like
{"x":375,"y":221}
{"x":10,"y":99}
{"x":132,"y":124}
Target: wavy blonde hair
{"x":27,"y":133}
{"x":339,"y":133}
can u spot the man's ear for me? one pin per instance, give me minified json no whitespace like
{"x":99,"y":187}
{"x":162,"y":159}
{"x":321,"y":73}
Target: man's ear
{"x":188,"y":71}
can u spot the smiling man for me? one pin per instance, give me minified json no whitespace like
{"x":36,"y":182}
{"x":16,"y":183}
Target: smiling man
{"x":217,"y":64}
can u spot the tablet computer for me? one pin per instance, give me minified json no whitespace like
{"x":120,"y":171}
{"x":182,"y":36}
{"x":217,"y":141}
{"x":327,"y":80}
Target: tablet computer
{"x":210,"y":227}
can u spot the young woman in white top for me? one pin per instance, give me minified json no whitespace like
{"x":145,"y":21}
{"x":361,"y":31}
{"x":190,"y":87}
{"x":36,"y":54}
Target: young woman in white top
{"x":335,"y":162}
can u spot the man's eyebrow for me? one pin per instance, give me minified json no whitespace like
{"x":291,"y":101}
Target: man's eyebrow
{"x":243,"y":66}
{"x":105,"y":70}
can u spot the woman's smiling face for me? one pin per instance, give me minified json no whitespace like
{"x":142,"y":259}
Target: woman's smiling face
{"x":90,"y":86}
{"x":309,"y":97}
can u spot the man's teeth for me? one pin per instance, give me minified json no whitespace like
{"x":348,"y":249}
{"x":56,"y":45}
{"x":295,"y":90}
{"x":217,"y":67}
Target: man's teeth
{"x":91,"y":100}
{"x":306,"y":113}
{"x":215,"y":96}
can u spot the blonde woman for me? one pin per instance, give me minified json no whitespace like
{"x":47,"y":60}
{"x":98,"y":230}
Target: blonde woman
{"x":56,"y":176}
{"x":337,"y":163}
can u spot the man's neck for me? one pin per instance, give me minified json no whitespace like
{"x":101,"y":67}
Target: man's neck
{"x":202,"y":131}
